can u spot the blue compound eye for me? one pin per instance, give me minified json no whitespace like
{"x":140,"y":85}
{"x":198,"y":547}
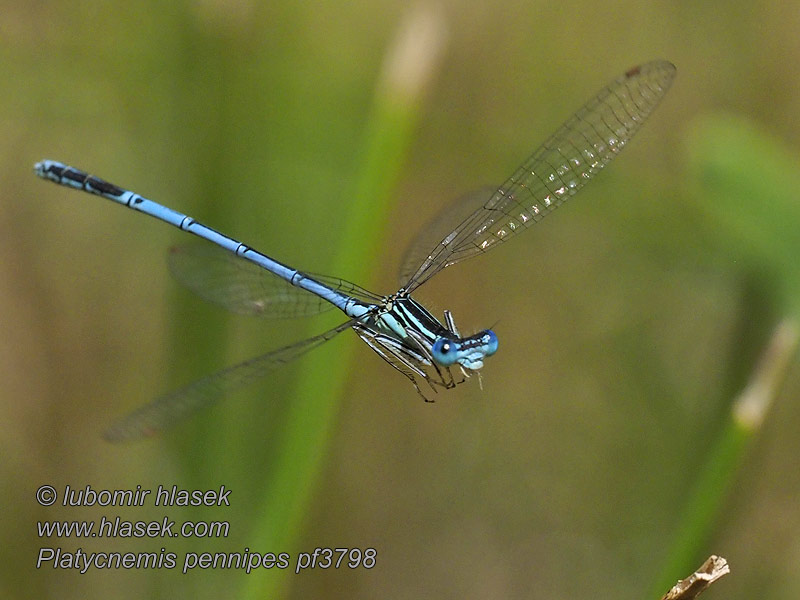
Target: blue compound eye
{"x":491,"y":342}
{"x":445,"y":352}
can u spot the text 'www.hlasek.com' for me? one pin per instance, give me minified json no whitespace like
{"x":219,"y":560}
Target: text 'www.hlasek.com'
{"x":113,"y":527}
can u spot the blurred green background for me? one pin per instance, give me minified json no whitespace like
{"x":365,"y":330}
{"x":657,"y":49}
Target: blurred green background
{"x":629,"y":321}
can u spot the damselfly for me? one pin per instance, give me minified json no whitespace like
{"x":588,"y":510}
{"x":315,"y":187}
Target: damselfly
{"x":430,"y":353}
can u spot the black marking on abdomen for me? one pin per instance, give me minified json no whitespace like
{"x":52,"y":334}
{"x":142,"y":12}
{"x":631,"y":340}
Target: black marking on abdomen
{"x":73,"y":175}
{"x":102,"y":186}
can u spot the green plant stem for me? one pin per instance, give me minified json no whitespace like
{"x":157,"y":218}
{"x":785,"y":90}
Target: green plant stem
{"x":714,"y":480}
{"x":310,"y":420}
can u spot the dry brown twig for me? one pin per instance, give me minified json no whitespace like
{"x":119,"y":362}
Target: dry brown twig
{"x":691,"y":587}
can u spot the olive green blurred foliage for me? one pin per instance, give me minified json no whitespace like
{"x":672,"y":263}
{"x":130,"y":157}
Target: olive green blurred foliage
{"x":746,"y":182}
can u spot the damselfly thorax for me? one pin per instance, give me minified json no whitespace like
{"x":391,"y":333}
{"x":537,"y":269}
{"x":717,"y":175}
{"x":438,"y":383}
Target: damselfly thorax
{"x":407,"y":336}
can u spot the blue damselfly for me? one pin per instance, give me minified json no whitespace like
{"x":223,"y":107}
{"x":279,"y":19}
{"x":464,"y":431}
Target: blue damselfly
{"x":428,"y":352}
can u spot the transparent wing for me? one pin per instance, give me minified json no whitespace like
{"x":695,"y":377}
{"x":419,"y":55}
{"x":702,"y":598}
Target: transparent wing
{"x":574,"y":154}
{"x":420,"y":247}
{"x":245,"y":288}
{"x":169,"y":409}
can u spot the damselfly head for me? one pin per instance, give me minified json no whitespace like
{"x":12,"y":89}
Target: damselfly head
{"x":468,"y":352}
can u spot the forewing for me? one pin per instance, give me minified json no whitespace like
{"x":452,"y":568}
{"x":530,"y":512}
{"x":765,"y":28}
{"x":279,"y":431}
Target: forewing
{"x":437,"y":229}
{"x":560,"y":167}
